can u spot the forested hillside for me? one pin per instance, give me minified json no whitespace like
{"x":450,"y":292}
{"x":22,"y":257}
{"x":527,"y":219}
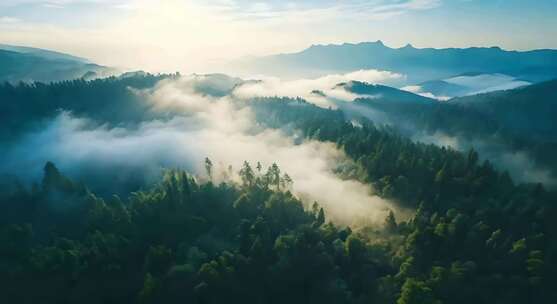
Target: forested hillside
{"x":526,"y":112}
{"x":26,"y":106}
{"x":185,"y":240}
{"x":243,"y":235}
{"x":510,"y":121}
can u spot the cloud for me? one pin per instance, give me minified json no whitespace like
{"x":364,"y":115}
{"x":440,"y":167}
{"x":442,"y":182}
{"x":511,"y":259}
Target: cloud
{"x":353,"y":8}
{"x":32,"y":6}
{"x":184,"y":35}
{"x":9,"y":20}
{"x":519,"y":164}
{"x":203,"y":126}
{"x":321,"y":91}
{"x":485,"y":83}
{"x":380,"y":10}
{"x":466,"y":85}
{"x":324,"y":92}
{"x":416,"y":89}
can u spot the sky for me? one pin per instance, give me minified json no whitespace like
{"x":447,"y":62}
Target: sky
{"x":200,"y":35}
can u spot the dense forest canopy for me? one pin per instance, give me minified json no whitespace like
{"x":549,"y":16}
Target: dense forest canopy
{"x":248,"y":233}
{"x":501,"y":125}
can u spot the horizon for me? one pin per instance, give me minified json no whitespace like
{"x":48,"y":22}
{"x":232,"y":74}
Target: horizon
{"x":292,"y":52}
{"x":190,"y":35}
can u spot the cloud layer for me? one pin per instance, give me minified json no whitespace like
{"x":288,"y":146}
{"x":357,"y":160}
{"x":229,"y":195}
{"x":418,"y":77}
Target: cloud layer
{"x":321,"y":91}
{"x":204,"y":126}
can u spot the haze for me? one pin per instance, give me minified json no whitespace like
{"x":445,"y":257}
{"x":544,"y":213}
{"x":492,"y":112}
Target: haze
{"x":200,"y":36}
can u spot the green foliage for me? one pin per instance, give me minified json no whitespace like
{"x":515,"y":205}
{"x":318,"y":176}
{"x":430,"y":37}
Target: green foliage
{"x":209,"y":168}
{"x":111,"y":100}
{"x":416,"y":292}
{"x":390,"y":222}
{"x":475,"y":237}
{"x":181,"y":241}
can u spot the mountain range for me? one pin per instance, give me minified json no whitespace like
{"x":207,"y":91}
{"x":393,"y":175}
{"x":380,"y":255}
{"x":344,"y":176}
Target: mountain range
{"x":521,"y":106}
{"x":32,"y":64}
{"x":526,"y":112}
{"x":417,"y":64}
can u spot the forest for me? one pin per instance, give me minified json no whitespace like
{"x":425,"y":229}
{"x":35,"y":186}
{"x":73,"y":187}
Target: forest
{"x":519,"y":119}
{"x":474,"y":234}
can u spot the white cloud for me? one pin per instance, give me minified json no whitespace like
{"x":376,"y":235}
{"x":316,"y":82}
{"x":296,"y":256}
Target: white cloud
{"x":366,"y":9}
{"x":379,"y":10}
{"x":469,"y":85}
{"x":204,"y":126}
{"x":8,"y":20}
{"x":185,"y":35}
{"x":487,"y":83}
{"x":416,"y":89}
{"x":306,"y":88}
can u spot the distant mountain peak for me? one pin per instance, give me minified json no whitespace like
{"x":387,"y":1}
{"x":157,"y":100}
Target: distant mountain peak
{"x":377,"y":43}
{"x":417,"y":64}
{"x":28,"y":64}
{"x":48,"y":54}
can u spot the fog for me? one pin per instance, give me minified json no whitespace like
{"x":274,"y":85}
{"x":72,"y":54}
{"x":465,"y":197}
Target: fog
{"x":416,"y":89}
{"x":203,"y":126}
{"x":321,"y":91}
{"x":485,"y":83}
{"x":325,"y":93}
{"x":519,"y":164}
{"x":466,"y":85}
{"x":207,"y":116}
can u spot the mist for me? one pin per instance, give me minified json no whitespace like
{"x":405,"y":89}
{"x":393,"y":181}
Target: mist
{"x":325,"y":92}
{"x":519,"y":164}
{"x":466,"y":85}
{"x":322,"y":91}
{"x":209,"y":116}
{"x":203,"y":125}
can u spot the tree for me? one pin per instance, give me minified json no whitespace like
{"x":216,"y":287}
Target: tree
{"x":209,"y":168}
{"x":416,"y":292}
{"x":54,"y":180}
{"x":390,"y":222}
{"x":273,"y":176}
{"x":441,"y":176}
{"x":247,"y":175}
{"x":286,"y":181}
{"x":147,"y":293}
{"x":158,"y":260}
{"x":472,"y":158}
{"x":320,"y":218}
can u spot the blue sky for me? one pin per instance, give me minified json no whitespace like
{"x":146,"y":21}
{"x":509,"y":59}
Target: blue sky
{"x":193,"y":34}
